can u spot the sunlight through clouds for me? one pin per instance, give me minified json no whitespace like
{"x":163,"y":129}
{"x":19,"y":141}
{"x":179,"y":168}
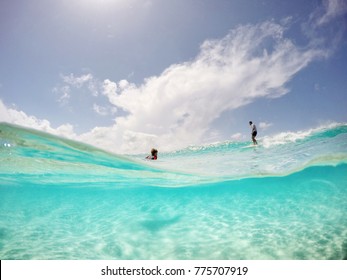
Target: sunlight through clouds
{"x":95,"y":3}
{"x":100,"y":5}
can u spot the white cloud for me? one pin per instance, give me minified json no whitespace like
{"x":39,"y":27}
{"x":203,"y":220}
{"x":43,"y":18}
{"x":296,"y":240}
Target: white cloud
{"x":15,"y":116}
{"x":264,"y":125}
{"x":179,"y":105}
{"x":326,"y":26}
{"x":237,"y":136}
{"x":332,"y":9}
{"x":71,"y":85}
{"x":77,"y":82}
{"x":110,"y":90}
{"x":100,"y":110}
{"x":65,"y":130}
{"x":104,"y":111}
{"x":93,"y":87}
{"x":4,"y":113}
{"x":19,"y":117}
{"x":123,"y":84}
{"x":64,"y":94}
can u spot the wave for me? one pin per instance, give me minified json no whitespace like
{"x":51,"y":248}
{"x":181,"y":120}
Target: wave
{"x":282,"y":138}
{"x":276,"y":155}
{"x":286,"y":200}
{"x":35,"y":155}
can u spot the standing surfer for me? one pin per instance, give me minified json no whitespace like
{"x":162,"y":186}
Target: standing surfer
{"x":254,"y":132}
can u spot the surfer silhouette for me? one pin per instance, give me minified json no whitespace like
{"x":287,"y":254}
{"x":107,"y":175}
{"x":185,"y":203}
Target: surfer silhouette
{"x":154,"y":154}
{"x":254,"y":132}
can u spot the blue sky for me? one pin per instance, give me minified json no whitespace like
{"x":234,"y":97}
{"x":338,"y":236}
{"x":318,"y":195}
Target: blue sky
{"x":127,"y":75}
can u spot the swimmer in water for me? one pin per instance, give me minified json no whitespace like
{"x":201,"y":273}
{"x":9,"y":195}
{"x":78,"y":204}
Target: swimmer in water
{"x":154,"y":154}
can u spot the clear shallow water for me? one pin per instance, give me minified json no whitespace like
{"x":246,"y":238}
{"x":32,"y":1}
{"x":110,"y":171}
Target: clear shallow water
{"x":285,"y":199}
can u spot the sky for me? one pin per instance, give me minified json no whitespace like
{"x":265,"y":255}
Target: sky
{"x":129,"y":75}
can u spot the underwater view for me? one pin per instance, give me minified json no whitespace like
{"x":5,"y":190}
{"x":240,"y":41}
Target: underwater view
{"x":285,"y":198}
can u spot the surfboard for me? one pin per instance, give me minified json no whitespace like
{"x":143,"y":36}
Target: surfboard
{"x":249,"y":146}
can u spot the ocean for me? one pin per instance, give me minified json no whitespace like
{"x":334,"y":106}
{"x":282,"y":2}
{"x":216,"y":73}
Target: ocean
{"x":283,"y":199}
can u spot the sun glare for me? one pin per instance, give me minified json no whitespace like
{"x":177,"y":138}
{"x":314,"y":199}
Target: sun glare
{"x":102,"y":2}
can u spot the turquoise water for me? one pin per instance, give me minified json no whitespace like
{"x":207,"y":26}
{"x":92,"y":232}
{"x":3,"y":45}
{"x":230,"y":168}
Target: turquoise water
{"x":284,"y":199}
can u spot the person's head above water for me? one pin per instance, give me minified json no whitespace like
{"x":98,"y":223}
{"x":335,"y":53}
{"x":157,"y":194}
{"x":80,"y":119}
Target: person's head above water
{"x":154,"y":154}
{"x":250,"y":122}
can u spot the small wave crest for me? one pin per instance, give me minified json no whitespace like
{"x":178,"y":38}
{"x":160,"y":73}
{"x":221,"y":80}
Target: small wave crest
{"x":288,"y":137}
